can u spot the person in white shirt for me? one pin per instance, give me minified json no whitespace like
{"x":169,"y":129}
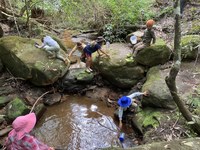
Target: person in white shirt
{"x":128,"y":103}
{"x":52,"y":48}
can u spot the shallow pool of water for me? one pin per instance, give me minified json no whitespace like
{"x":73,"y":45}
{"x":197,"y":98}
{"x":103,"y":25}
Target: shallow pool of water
{"x":78,"y":123}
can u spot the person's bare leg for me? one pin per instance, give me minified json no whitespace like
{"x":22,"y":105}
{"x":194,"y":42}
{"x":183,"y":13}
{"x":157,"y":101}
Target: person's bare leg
{"x":140,"y":47}
{"x":88,"y":63}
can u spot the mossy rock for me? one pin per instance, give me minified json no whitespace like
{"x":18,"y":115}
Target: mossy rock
{"x":121,"y":69}
{"x":16,"y":108}
{"x":76,"y":79}
{"x":159,"y":53}
{"x":149,"y":117}
{"x":159,"y":94}
{"x":189,"y":45}
{"x":23,"y":60}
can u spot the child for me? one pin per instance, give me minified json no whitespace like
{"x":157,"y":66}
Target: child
{"x":93,"y":47}
{"x":52,"y":47}
{"x":79,"y":46}
{"x":19,"y":137}
{"x":88,"y":49}
{"x":148,"y":36}
{"x":128,"y":104}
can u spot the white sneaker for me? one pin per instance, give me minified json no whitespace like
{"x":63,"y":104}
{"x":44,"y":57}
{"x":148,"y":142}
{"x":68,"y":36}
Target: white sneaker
{"x":88,"y":70}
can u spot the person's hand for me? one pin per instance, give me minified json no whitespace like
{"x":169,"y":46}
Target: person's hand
{"x":36,"y":45}
{"x":146,"y":93}
{"x":108,"y":56}
{"x":101,"y":54}
{"x":51,"y":148}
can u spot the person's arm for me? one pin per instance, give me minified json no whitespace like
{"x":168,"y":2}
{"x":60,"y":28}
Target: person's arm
{"x":103,"y":52}
{"x":136,"y":94}
{"x":73,"y":50}
{"x":153,"y":36}
{"x":120,"y":114}
{"x":39,"y":46}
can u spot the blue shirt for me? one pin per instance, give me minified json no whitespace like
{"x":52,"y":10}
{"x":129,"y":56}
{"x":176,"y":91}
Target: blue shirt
{"x":92,"y":49}
{"x":50,"y":42}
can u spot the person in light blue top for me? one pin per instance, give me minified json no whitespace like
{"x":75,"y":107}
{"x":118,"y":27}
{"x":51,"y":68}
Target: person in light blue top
{"x":128,"y":104}
{"x":52,"y":48}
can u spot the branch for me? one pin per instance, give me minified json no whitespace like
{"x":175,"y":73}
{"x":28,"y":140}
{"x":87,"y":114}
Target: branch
{"x":38,"y":100}
{"x":8,"y":11}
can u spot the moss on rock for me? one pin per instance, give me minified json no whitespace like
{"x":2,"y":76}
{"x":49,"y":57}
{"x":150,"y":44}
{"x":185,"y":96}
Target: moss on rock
{"x":16,"y":108}
{"x":189,"y":45}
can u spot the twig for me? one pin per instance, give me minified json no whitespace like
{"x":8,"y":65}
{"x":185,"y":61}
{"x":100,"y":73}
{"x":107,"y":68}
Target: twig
{"x":106,"y":127}
{"x":13,"y":78}
{"x":14,"y":17}
{"x":114,"y":130}
{"x":39,"y":99}
{"x":175,"y":122}
{"x":197,"y":54}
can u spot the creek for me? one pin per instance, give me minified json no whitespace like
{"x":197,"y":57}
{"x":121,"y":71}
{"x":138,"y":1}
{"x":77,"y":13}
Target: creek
{"x":80,"y":123}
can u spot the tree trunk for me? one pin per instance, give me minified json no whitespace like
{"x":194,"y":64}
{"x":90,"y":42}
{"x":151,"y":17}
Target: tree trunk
{"x":171,"y":79}
{"x":1,"y":32}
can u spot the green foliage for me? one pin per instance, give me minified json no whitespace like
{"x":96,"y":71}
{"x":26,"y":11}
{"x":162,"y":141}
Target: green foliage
{"x":113,"y":34}
{"x":110,"y":15}
{"x":125,"y":13}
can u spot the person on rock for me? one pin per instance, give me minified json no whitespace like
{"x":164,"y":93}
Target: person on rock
{"x":52,"y":48}
{"x":148,"y":37}
{"x":88,"y":49}
{"x":128,"y":104}
{"x":79,"y":46}
{"x":19,"y":138}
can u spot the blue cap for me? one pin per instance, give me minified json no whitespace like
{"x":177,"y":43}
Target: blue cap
{"x":124,"y":101}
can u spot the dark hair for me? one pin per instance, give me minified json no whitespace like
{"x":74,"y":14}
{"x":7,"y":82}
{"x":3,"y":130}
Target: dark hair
{"x":79,"y":44}
{"x":100,"y":40}
{"x":42,"y":39}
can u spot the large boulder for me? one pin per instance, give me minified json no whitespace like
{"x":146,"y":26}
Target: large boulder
{"x":159,"y":53}
{"x":25,"y":61}
{"x":189,"y":45}
{"x":159,"y":93}
{"x":76,"y":79}
{"x":160,"y":96}
{"x":121,"y":69}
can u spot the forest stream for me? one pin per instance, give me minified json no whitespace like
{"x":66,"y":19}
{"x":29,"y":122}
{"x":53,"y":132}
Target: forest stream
{"x":80,"y":123}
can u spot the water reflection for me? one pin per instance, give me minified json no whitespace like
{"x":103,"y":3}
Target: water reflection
{"x":78,"y":123}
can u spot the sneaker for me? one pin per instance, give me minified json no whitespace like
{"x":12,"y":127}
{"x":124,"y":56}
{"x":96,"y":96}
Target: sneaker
{"x":88,"y":70}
